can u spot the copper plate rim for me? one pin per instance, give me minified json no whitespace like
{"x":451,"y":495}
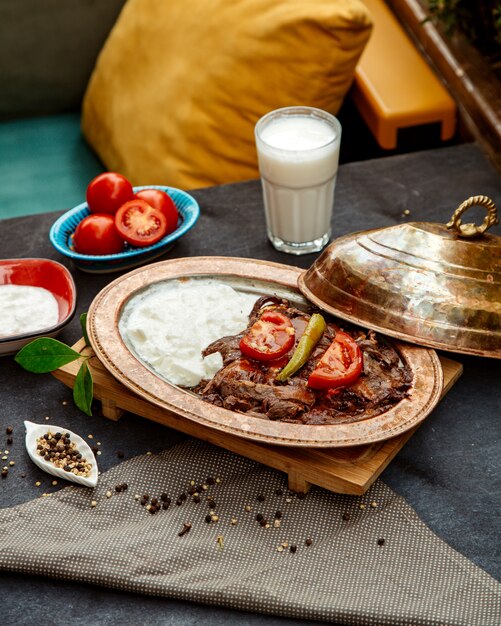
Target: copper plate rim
{"x":109,"y":347}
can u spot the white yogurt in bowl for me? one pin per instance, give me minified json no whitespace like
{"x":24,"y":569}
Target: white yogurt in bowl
{"x":25,"y":309}
{"x":168,"y":324}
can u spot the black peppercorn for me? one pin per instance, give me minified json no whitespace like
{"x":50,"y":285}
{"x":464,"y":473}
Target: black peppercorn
{"x":293,"y":549}
{"x":182,"y":496}
{"x":346,"y":516}
{"x":9,"y":441}
{"x":9,"y":430}
{"x":165,"y":505}
{"x":259,"y":517}
{"x":154,"y":501}
{"x":179,"y":502}
{"x":196,"y":499}
{"x":263,"y":523}
{"x":164,"y":497}
{"x":260,"y":498}
{"x":211,"y":480}
{"x":208,"y":519}
{"x":279,"y":492}
{"x":380,"y":542}
{"x":278,"y":515}
{"x":308,"y":542}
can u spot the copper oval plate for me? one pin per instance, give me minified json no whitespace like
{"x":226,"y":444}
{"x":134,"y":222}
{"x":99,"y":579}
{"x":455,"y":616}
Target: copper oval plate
{"x":259,"y":277}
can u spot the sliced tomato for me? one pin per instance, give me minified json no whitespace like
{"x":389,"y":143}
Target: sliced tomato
{"x":340,"y":365}
{"x":270,"y":338}
{"x":140,"y":224}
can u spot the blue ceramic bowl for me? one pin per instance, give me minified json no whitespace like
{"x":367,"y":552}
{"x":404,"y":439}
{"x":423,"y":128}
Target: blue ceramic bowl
{"x":64,"y":227}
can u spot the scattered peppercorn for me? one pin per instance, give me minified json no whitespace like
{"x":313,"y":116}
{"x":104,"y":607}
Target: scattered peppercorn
{"x":374,"y":505}
{"x":259,"y":517}
{"x":260,"y":498}
{"x":211,"y":503}
{"x":5,"y":471}
{"x":93,"y":503}
{"x":179,"y":502}
{"x":208,"y":519}
{"x":211,"y":481}
{"x":166,"y":504}
{"x":9,"y":441}
{"x":308,"y":542}
{"x":118,"y":488}
{"x":380,"y":542}
{"x":247,"y":507}
{"x":346,"y":517}
{"x":196,"y":499}
{"x":263,"y":523}
{"x":361,"y":506}
{"x":9,"y":430}
{"x":278,"y":515}
{"x":279,"y":492}
{"x":182,"y":496}
{"x":154,"y":501}
{"x":293,"y":549}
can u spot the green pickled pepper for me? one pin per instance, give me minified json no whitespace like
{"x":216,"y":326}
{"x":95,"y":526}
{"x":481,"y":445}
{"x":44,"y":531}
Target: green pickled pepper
{"x":311,"y":336}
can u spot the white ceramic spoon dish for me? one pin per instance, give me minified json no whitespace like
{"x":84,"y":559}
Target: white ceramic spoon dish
{"x":35,"y":431}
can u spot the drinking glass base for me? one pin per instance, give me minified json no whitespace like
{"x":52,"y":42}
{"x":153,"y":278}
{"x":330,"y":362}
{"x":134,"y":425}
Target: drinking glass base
{"x":306,"y":247}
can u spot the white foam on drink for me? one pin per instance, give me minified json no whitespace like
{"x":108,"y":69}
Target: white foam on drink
{"x":298,"y":133}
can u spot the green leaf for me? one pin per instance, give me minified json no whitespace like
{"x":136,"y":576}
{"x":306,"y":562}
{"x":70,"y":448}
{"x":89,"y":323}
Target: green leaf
{"x":82,"y":391}
{"x":83,"y":324}
{"x":45,"y":355}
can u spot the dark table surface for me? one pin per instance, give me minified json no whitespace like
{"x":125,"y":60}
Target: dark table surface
{"x":450,"y":471}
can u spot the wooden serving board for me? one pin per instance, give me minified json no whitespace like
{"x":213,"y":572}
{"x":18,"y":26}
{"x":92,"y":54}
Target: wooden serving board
{"x":343,"y":470}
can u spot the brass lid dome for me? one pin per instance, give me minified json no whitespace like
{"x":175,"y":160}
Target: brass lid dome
{"x":431,"y":284}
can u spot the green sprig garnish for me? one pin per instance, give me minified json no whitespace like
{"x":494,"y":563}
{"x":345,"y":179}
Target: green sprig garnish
{"x":44,"y":355}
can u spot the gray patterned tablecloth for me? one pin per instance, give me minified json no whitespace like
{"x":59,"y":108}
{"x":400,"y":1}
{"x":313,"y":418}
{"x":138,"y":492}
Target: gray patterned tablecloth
{"x":348,"y":574}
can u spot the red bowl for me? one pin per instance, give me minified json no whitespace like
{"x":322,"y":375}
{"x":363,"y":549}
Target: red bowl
{"x":45,"y":273}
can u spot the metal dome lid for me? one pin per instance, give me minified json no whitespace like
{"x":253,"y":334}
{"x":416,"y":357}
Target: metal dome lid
{"x":431,"y":284}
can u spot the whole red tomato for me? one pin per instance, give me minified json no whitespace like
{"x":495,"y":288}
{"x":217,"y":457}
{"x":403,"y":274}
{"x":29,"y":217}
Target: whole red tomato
{"x":107,"y":192}
{"x":161,"y":201}
{"x":97,"y":234}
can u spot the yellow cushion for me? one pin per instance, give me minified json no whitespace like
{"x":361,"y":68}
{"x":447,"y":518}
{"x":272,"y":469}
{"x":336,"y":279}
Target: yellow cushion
{"x":180,"y":84}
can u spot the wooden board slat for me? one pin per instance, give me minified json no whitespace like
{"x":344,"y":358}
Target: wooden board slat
{"x":343,"y":470}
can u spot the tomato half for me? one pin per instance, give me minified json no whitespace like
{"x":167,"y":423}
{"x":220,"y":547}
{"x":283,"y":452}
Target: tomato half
{"x":161,"y":201}
{"x":107,"y":192}
{"x":140,"y":224}
{"x":97,"y":234}
{"x":270,"y":338}
{"x":340,"y":365}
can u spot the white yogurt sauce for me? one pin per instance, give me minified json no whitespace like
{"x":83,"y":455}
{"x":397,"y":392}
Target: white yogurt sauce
{"x":169,"y":324}
{"x":25,"y":309}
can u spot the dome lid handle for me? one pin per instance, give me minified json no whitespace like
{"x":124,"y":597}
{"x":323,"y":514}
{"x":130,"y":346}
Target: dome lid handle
{"x":472,"y":230}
